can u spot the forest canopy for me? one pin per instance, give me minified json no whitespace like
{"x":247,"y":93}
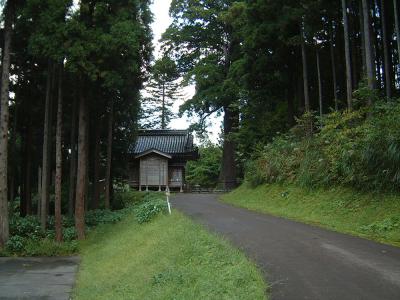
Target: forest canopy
{"x":308,"y":91}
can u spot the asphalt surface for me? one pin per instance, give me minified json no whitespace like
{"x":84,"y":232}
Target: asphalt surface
{"x":301,"y":261}
{"x":37,"y":278}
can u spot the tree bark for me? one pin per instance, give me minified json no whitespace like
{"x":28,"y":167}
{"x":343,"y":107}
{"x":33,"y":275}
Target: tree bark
{"x":290,"y":106}
{"x":46,"y":151}
{"x":109,"y":156}
{"x":319,"y":85}
{"x":377,"y":54}
{"x":305,"y":70}
{"x":349,"y":85}
{"x":364,"y":60}
{"x":163,"y":113}
{"x":333,"y":63}
{"x":227,"y":175}
{"x":368,"y":49}
{"x":72,"y":165}
{"x":4,"y":124}
{"x":26,"y":204}
{"x":58,"y":181}
{"x":397,"y":27}
{"x":81,"y":171}
{"x":96,"y":171}
{"x":386,"y":51}
{"x":12,"y":148}
{"x":353,"y":51}
{"x":28,"y":171}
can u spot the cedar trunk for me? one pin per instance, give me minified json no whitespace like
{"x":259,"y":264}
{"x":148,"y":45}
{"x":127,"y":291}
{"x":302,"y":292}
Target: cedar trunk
{"x":333,"y":63}
{"x":377,"y":54}
{"x":319,"y":85}
{"x":46,"y":152}
{"x":4,"y":119}
{"x":163,"y":112}
{"x":386,"y":51}
{"x":349,"y":85}
{"x":397,"y":27}
{"x":364,"y":63}
{"x":81,"y":170}
{"x":26,"y":208}
{"x":96,"y":171}
{"x":58,"y":181}
{"x":72,"y":167}
{"x":227,"y":175}
{"x":109,"y":156}
{"x":368,"y":49}
{"x":305,"y":70}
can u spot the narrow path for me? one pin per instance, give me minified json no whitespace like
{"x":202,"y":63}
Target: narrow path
{"x":50,"y":278}
{"x":301,"y":261}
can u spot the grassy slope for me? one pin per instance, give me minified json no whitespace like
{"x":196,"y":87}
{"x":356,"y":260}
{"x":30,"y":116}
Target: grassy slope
{"x":371,"y":216}
{"x":169,"y":258}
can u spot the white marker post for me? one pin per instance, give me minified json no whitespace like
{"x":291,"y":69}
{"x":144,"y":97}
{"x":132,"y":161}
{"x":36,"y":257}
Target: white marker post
{"x":167,"y":193}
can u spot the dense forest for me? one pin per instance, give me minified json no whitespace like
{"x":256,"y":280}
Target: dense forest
{"x":307,"y":90}
{"x":71,"y":76}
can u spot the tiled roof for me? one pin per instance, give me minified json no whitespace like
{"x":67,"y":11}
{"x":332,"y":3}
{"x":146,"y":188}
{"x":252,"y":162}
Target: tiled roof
{"x":167,"y":141}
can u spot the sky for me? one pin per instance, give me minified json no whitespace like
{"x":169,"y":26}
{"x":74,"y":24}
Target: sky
{"x":162,"y":20}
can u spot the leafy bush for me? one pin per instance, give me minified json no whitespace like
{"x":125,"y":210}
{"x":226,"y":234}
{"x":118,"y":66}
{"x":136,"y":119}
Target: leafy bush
{"x":128,"y":198}
{"x":152,"y":205}
{"x":388,"y":224}
{"x":69,"y":234}
{"x":359,"y":149}
{"x":16,"y":243}
{"x":28,"y":226}
{"x":27,"y":237}
{"x":102,"y":216}
{"x":206,"y":169}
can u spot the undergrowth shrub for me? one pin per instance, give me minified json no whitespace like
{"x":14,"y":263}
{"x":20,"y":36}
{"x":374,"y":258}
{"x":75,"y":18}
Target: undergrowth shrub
{"x":359,"y":149}
{"x":152,"y":205}
{"x":28,"y":238}
{"x":126,"y":198}
{"x":102,"y":216}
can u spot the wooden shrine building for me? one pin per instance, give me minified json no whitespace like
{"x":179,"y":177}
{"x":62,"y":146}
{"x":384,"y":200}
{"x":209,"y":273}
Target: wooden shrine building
{"x":158,"y":159}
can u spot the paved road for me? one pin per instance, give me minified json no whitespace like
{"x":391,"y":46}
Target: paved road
{"x":301,"y":261}
{"x":37,"y":278}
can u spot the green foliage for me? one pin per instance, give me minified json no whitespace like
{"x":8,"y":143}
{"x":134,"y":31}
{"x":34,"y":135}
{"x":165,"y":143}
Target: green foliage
{"x":359,"y":149}
{"x":49,"y":247}
{"x":27,"y":227}
{"x":205,"y":170}
{"x":16,"y":243}
{"x":152,"y":205}
{"x":366,"y":214}
{"x":127,"y":198}
{"x":27,"y":237}
{"x":102,"y":216}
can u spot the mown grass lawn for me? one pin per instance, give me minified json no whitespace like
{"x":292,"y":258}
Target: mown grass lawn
{"x":368,"y":215}
{"x":168,"y":258}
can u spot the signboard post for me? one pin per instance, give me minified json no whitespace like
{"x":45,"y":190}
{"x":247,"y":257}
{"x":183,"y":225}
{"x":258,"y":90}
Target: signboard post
{"x":167,"y":193}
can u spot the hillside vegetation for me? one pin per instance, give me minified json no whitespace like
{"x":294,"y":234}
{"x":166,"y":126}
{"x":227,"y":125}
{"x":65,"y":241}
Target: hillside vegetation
{"x":369,"y":215}
{"x":341,"y":172}
{"x":359,"y":149}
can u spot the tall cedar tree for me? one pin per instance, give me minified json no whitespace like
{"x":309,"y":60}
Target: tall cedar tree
{"x":4,"y":123}
{"x":205,"y":60}
{"x":163,"y":89}
{"x":349,"y":84}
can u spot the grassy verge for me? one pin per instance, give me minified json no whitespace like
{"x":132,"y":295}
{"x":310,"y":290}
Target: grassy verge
{"x":167,"y":258}
{"x":372,"y":216}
